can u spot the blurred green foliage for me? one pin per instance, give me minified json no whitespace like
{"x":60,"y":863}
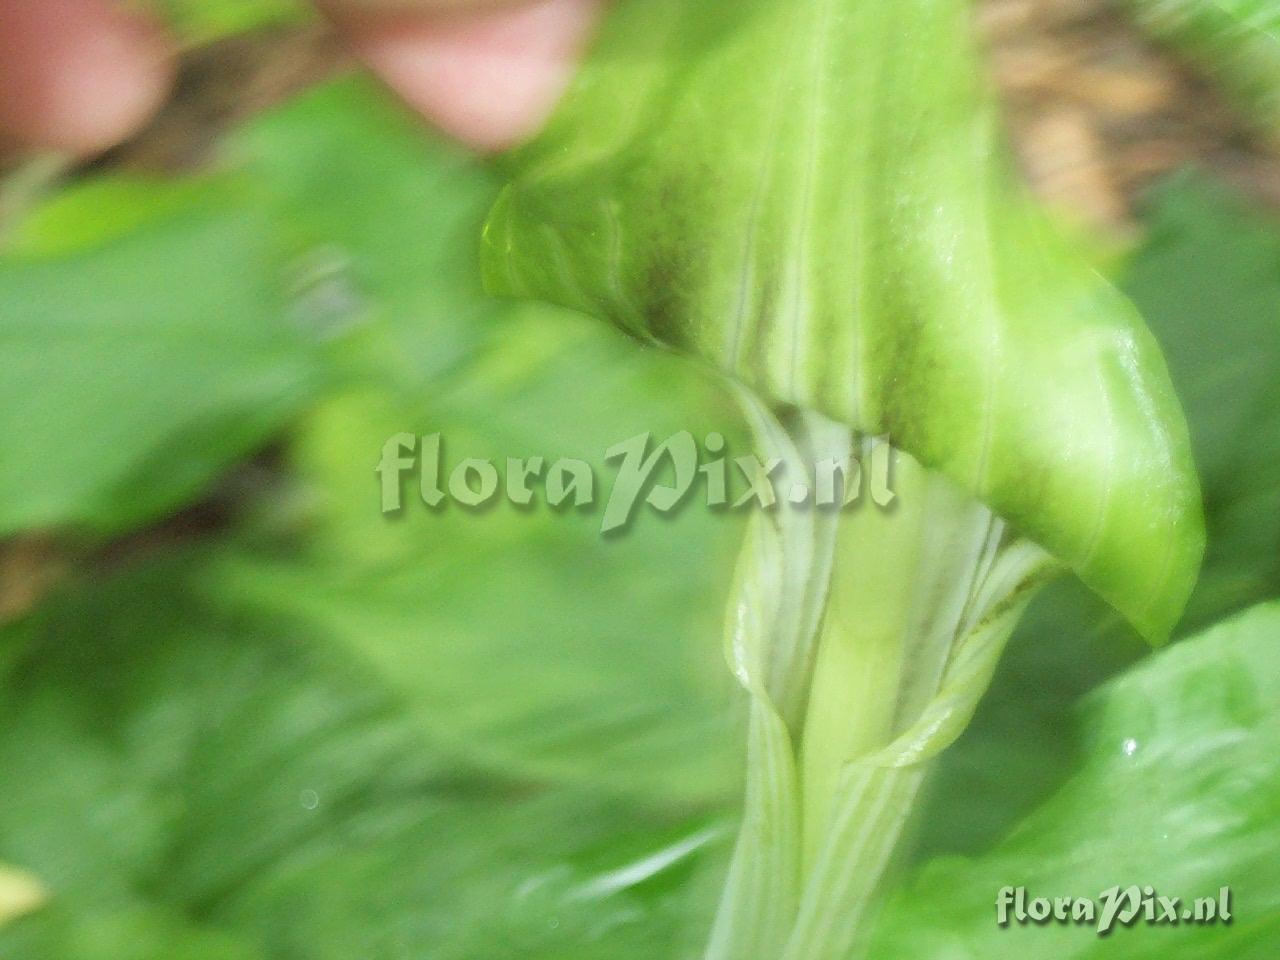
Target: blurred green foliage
{"x":1177,"y":789}
{"x":334,"y":733}
{"x":328,"y":733}
{"x":145,"y":347}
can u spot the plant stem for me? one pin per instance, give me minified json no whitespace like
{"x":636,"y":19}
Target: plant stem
{"x":921,"y":598}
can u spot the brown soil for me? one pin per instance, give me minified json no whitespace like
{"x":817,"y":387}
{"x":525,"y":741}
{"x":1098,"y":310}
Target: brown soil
{"x":1097,"y":114}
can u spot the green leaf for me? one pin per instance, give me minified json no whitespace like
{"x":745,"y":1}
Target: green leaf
{"x":529,"y":641}
{"x":810,"y":196}
{"x":382,"y":218}
{"x":532,"y":642}
{"x":156,"y":331}
{"x":433,"y":678}
{"x":1178,"y":790}
{"x":143,"y":352}
{"x":193,"y":773}
{"x":1236,"y":42}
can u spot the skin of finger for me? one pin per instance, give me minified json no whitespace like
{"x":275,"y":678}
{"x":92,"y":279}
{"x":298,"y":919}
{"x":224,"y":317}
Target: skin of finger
{"x":488,"y":77}
{"x":78,"y":75}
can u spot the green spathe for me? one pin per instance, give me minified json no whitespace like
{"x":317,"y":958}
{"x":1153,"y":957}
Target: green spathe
{"x":809,"y":195}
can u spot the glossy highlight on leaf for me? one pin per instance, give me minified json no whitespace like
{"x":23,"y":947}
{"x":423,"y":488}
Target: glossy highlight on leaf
{"x":811,"y":196}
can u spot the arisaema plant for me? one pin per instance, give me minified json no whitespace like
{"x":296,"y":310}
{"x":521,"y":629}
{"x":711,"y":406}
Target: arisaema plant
{"x":811,"y":197}
{"x":319,"y":733}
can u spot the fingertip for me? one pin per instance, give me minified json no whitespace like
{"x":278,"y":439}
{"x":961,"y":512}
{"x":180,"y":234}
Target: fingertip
{"x":78,"y":75}
{"x":489,"y":78}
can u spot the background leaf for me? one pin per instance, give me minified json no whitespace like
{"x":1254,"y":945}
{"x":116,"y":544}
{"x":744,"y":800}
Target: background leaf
{"x":526,"y":638}
{"x":195,"y":318}
{"x":523,"y":636}
{"x":383,"y":237}
{"x":193,"y":774}
{"x":141,"y":360}
{"x":1178,"y":790}
{"x":461,"y":734}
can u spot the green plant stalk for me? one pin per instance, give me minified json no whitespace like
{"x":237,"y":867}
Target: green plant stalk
{"x":895,"y":684}
{"x":915,"y":603}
